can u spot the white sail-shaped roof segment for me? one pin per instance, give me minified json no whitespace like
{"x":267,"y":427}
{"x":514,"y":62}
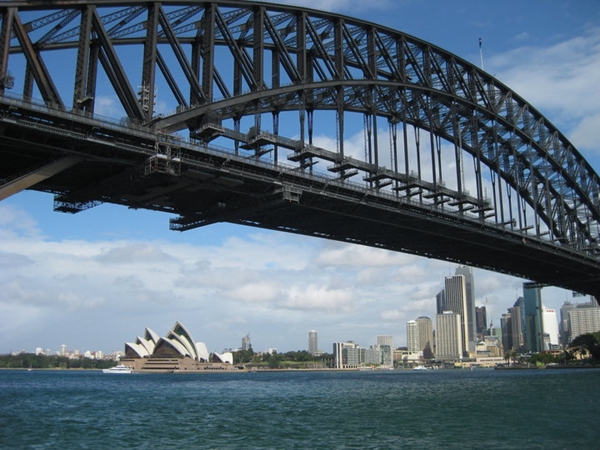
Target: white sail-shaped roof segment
{"x":137,"y":349}
{"x":202,"y":351}
{"x":225,"y":357}
{"x":172,"y":347}
{"x":151,"y":335}
{"x":148,"y":345}
{"x":182,"y":340}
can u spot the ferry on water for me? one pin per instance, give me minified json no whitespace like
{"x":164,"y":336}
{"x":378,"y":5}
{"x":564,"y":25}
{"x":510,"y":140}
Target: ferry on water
{"x":118,"y":369}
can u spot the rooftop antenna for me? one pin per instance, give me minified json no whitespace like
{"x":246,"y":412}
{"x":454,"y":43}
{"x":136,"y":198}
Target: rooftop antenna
{"x":481,"y":53}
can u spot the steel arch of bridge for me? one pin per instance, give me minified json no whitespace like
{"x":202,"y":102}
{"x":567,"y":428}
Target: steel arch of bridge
{"x":489,"y":163}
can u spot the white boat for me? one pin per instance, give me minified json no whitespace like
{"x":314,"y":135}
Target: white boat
{"x":118,"y":369}
{"x":419,"y":368}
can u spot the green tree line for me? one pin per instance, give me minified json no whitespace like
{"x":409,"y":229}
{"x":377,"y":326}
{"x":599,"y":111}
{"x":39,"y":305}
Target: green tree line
{"x":33,"y":361}
{"x":292,"y":359}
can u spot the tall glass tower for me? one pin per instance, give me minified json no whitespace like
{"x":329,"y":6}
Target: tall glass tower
{"x":532,"y":296}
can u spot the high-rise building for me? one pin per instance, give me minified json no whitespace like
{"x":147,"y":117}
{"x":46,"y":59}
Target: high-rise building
{"x":563,"y":326}
{"x":532,"y":300}
{"x":507,"y":336}
{"x":425,"y":328}
{"x":440,"y":300}
{"x":448,"y":336}
{"x":471,"y":324}
{"x":313,"y":343}
{"x":550,"y":329}
{"x":456,"y":301}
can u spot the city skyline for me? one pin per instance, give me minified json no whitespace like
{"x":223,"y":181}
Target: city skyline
{"x":96,"y":277}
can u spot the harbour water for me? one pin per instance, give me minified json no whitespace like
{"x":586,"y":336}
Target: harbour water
{"x":450,"y":409}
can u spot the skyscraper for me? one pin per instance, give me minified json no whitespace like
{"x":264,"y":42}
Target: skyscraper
{"x":550,"y":329}
{"x":506,"y":325}
{"x":313,"y":344}
{"x":516,"y":325}
{"x":471,"y":324}
{"x":246,"y":345}
{"x":448,"y":336}
{"x":456,"y":301}
{"x":532,"y":297}
{"x":563,"y":326}
{"x":440,"y":300}
{"x":481,"y":325}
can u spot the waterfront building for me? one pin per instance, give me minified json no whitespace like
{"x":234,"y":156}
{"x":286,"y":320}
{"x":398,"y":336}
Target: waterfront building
{"x":412,"y":337}
{"x":448,"y":336}
{"x":177,"y":351}
{"x":470,"y":323}
{"x":387,"y":355}
{"x":583,"y":321}
{"x":385,"y":345}
{"x":313,"y":345}
{"x":345,"y":355}
{"x":456,"y":301}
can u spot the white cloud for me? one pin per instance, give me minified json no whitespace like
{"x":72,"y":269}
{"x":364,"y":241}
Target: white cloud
{"x":560,"y":81}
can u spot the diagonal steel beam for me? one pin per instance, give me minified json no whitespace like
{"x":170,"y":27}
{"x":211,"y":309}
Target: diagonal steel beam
{"x":38,"y":68}
{"x":115,"y":72}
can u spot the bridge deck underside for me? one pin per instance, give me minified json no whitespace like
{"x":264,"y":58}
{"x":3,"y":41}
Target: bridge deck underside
{"x":203,"y":186}
{"x":209,"y":195}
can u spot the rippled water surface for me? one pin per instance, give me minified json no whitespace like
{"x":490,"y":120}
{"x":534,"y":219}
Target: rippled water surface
{"x":545,"y":409}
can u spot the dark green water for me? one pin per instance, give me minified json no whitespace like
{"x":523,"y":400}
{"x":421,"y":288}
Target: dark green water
{"x":548,"y":409}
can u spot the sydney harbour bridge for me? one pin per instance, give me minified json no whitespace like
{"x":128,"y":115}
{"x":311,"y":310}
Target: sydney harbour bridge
{"x":295,"y":120}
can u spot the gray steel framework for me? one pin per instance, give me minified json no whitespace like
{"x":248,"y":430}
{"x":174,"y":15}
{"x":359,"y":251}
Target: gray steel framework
{"x":452,"y":165}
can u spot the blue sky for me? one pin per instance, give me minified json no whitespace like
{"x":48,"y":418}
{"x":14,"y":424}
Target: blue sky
{"x":95,"y":279}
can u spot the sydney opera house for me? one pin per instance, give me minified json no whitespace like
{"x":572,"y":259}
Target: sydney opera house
{"x":176,"y":352}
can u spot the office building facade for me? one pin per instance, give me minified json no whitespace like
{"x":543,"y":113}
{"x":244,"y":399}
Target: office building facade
{"x":456,"y":301}
{"x":448,"y":336}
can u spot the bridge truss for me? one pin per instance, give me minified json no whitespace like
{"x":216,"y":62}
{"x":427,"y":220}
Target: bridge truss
{"x":294,"y":120}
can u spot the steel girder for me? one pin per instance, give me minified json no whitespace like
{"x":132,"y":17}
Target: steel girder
{"x":281,"y":58}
